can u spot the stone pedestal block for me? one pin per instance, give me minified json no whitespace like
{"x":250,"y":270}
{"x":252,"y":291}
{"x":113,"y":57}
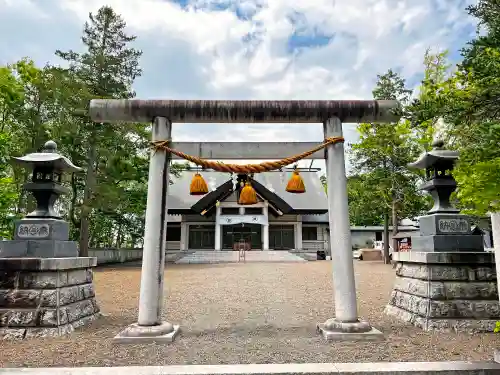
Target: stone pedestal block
{"x":38,"y":249}
{"x":447,"y":243}
{"x":444,"y":224}
{"x":446,"y":291}
{"x":39,"y":238}
{"x":446,"y":233}
{"x":41,"y":229}
{"x":45,"y":296}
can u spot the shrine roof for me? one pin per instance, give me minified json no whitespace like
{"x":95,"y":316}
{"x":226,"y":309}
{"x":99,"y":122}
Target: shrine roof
{"x":313,"y":200}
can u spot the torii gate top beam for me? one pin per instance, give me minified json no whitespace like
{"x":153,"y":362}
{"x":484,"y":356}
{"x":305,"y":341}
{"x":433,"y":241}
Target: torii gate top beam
{"x":243,"y":111}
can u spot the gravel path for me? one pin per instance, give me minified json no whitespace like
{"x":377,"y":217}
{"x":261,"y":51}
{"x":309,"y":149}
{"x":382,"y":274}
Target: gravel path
{"x":245,"y":313}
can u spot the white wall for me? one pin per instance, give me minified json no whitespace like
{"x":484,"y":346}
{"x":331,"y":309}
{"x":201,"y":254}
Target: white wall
{"x":321,"y":238}
{"x":358,"y":238}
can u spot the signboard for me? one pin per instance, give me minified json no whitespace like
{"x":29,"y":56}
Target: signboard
{"x":404,"y":244}
{"x":453,"y":225}
{"x":33,"y":230}
{"x":238,"y":219}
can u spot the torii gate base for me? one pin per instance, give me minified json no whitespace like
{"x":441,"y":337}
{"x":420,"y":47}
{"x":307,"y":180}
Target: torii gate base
{"x":150,"y":327}
{"x":334,"y":330}
{"x":164,"y":333}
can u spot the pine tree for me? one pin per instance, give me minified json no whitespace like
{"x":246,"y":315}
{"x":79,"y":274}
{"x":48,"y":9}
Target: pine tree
{"x":108,"y":68}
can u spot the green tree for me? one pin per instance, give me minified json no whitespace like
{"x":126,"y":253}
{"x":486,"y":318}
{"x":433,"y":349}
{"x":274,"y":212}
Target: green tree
{"x":476,"y":120}
{"x":364,"y":205}
{"x":477,"y":135}
{"x":29,"y":118}
{"x":364,"y":208}
{"x":425,"y":111}
{"x":467,"y":102}
{"x":383,"y":152}
{"x":38,"y":103}
{"x":11,"y":99}
{"x":9,"y":193}
{"x":30,"y":107}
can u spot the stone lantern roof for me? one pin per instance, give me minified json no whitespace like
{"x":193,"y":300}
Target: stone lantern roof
{"x":48,"y":158}
{"x":437,"y":157}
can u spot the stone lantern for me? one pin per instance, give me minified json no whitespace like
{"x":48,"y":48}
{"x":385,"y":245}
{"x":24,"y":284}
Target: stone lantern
{"x":438,"y":164}
{"x":43,"y":233}
{"x":46,"y":289}
{"x":48,"y":167}
{"x":444,"y":228}
{"x":447,"y":281}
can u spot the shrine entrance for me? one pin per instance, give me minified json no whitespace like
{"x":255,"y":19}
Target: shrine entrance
{"x":281,"y":237}
{"x":162,"y":113}
{"x":202,"y":237}
{"x":248,"y":233}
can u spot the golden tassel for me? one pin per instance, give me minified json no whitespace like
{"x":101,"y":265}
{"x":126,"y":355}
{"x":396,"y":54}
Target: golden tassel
{"x":247,"y":194}
{"x":198,"y":185}
{"x":296,"y":184}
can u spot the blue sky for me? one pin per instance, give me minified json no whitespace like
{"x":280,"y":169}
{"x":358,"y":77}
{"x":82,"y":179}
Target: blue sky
{"x":251,"y":49}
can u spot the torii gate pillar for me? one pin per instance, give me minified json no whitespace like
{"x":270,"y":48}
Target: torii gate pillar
{"x":345,"y":325}
{"x":149,"y":326}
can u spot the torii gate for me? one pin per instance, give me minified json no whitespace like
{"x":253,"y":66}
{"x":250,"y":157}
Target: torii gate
{"x":149,"y":327}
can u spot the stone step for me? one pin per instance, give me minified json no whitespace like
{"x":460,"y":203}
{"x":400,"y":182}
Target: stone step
{"x":200,"y":257}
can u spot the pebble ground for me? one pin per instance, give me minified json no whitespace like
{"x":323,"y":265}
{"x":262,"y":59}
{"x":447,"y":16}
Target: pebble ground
{"x":245,"y":313}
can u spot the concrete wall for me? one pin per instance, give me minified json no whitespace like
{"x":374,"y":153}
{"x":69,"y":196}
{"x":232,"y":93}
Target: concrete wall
{"x":109,"y":255}
{"x":314,"y":245}
{"x":360,"y":238}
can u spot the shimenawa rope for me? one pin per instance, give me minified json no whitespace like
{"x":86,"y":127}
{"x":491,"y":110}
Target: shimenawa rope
{"x":245,"y":168}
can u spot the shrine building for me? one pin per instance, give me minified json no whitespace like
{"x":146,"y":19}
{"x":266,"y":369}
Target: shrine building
{"x":216,"y":221}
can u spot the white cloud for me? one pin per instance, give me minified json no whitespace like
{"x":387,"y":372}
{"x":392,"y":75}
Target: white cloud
{"x":240,"y":49}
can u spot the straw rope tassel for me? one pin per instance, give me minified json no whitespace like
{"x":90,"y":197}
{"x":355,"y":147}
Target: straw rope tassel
{"x":198,"y":185}
{"x":296,"y":184}
{"x":248,"y":195}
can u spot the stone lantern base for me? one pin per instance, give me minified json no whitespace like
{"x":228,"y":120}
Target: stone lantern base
{"x":45,"y":296}
{"x":446,"y":291}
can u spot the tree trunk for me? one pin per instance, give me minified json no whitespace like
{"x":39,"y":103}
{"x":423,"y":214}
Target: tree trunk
{"x":74,"y":198}
{"x":87,"y":195}
{"x":119,"y":236}
{"x":23,"y":196}
{"x":386,"y":238}
{"x":133,"y":240}
{"x":394,"y":225}
{"x":110,"y":236}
